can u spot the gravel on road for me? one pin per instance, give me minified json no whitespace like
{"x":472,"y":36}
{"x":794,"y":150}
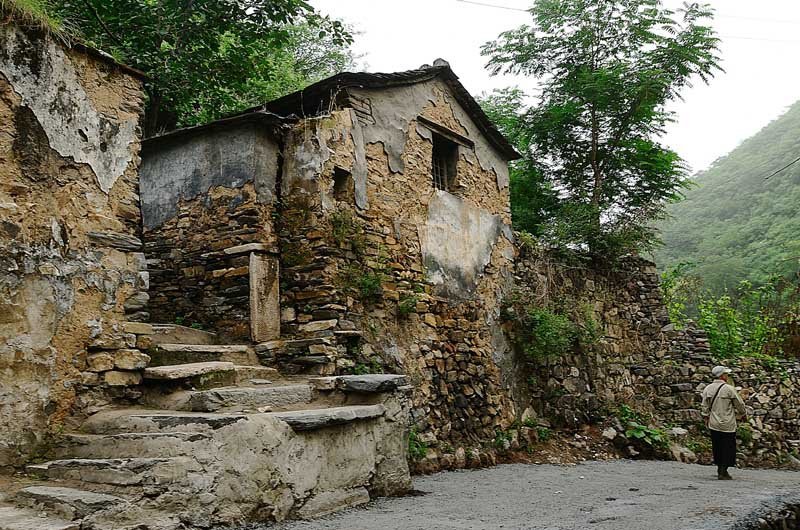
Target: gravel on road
{"x":609,"y":495}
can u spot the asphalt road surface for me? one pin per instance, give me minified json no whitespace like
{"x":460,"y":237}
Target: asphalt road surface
{"x":612,"y":495}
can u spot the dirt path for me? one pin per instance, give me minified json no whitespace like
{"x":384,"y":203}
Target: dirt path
{"x":614,"y":495}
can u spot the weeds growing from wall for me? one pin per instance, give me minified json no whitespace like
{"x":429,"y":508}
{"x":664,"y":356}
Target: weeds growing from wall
{"x":544,"y":329}
{"x":417,"y":449}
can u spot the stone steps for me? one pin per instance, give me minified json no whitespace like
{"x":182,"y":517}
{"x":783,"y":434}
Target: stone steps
{"x":311,"y":419}
{"x":235,"y":399}
{"x":204,"y":375}
{"x":159,"y":421}
{"x":176,"y":334}
{"x":19,"y":518}
{"x":71,"y":503}
{"x":173,"y":354}
{"x":118,"y":471}
{"x":131,"y":444}
{"x":124,"y":421}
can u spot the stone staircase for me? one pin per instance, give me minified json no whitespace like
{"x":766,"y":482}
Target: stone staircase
{"x":219,"y":439}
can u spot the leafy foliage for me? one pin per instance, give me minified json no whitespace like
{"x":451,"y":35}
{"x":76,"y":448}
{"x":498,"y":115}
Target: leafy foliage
{"x":209,"y":58}
{"x":679,"y":289}
{"x":749,"y":321}
{"x":417,"y":449}
{"x":544,"y":330}
{"x":637,"y":428}
{"x":734,"y":224}
{"x":607,"y":70}
{"x":746,"y":323}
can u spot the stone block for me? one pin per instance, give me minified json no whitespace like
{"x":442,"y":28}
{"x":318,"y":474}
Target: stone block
{"x":318,"y":325}
{"x":100,"y":362}
{"x":138,"y":328}
{"x":118,"y":378}
{"x":129,"y":359}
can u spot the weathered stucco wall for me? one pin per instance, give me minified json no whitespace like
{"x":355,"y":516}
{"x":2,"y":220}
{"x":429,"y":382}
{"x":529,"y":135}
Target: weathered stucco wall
{"x":208,"y":202}
{"x":70,"y":259}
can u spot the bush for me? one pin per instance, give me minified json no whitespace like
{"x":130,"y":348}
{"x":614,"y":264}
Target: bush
{"x":417,"y":449}
{"x":548,"y":334}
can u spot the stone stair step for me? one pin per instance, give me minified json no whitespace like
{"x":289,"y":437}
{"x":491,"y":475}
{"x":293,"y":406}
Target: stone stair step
{"x":130,"y":444}
{"x":174,"y":354}
{"x":68,"y":502}
{"x":18,"y":518}
{"x":196,"y":375}
{"x":157,"y":421}
{"x":249,"y":398}
{"x":306,"y":420}
{"x":176,"y":334}
{"x":118,"y":471}
{"x":367,"y":383}
{"x":249,"y":374}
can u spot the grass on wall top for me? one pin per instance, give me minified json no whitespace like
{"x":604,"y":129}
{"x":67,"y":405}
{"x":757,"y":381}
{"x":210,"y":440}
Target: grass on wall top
{"x":32,"y":14}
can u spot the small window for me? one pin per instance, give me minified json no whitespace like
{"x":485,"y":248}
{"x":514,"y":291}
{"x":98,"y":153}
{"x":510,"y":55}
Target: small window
{"x":343,"y":185}
{"x":445,"y":161}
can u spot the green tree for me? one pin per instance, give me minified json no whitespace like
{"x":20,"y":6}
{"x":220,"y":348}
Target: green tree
{"x":533,"y":200}
{"x":607,"y":70}
{"x":207,"y":58}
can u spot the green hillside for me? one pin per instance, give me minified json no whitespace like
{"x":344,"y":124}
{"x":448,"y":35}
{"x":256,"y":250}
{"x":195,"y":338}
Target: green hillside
{"x":734,"y":224}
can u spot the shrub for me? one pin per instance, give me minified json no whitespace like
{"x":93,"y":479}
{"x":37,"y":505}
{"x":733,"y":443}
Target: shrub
{"x":543,"y":434}
{"x":407,"y":305}
{"x":417,"y":449}
{"x":548,"y":334}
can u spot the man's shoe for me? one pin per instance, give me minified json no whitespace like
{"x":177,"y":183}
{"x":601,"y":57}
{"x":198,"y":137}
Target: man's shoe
{"x":724,"y":476}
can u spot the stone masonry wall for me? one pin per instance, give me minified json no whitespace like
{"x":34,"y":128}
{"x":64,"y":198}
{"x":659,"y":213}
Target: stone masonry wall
{"x":208,"y":205}
{"x":370,"y":253}
{"x":71,"y":267}
{"x":641,"y":360}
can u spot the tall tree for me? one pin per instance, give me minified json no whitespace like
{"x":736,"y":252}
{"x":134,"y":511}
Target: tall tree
{"x":209,"y":57}
{"x":607,"y":69}
{"x":534,"y":202}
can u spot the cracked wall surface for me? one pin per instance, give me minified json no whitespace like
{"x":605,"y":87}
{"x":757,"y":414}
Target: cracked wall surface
{"x":71,"y":269}
{"x":442,"y":259}
{"x":185,"y":169}
{"x":77,"y":125}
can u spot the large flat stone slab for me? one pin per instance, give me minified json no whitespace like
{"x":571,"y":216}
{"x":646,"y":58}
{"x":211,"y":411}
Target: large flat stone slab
{"x":176,"y":372}
{"x":118,"y":471}
{"x":130,"y":444}
{"x":306,"y":420}
{"x":153,"y":421}
{"x":16,"y":518}
{"x":175,"y":334}
{"x":72,"y":502}
{"x":249,"y":398}
{"x":194,"y":375}
{"x":368,"y":383}
{"x":174,"y":354}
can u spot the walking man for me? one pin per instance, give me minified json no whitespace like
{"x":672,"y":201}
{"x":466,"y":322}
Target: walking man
{"x":721,"y":405}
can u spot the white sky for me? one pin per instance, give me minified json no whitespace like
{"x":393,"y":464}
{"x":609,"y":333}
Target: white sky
{"x":761,"y":43}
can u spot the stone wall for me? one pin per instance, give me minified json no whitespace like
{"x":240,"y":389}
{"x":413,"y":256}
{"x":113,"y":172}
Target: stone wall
{"x":71,"y":267}
{"x":389,"y":273}
{"x":208,"y":202}
{"x":640,"y":359}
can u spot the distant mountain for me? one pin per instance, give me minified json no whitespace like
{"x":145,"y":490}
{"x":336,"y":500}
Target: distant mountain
{"x":734,"y":224}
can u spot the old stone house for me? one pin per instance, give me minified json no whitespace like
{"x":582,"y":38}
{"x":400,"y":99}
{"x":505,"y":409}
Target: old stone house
{"x":362,"y":224}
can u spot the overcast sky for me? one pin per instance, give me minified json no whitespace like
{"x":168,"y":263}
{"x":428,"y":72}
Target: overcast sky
{"x":761,"y":43}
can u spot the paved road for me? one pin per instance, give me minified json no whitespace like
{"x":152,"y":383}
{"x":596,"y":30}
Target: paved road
{"x":614,"y":495}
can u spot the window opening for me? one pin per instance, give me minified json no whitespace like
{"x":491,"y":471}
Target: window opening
{"x":445,"y":161}
{"x":343,"y":185}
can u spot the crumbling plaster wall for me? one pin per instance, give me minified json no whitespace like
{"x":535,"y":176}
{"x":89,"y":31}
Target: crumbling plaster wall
{"x":70,"y":260}
{"x":207,"y":205}
{"x":447,"y":339}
